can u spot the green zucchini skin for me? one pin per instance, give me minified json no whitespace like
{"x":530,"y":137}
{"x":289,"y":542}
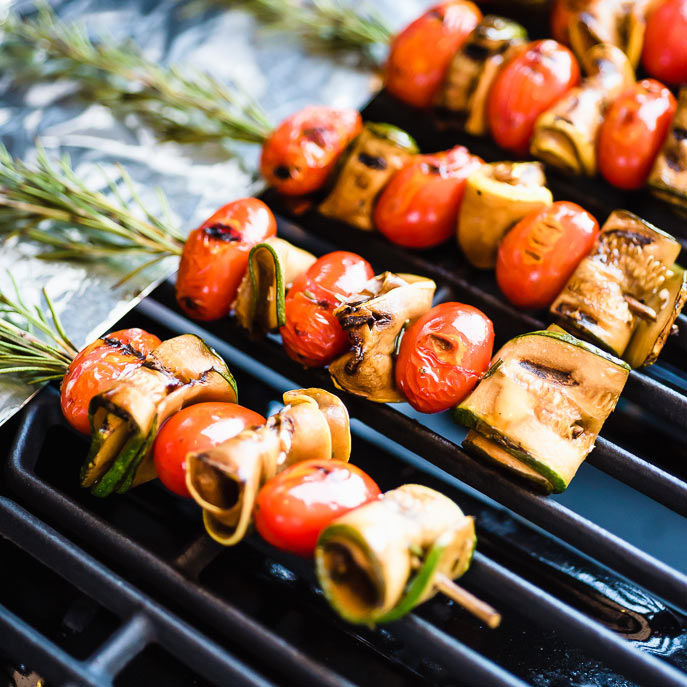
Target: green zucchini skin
{"x":466,"y":418}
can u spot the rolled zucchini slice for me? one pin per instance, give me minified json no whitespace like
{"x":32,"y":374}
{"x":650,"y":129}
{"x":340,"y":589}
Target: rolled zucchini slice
{"x":373,"y":319}
{"x":565,"y":135}
{"x":617,"y":22}
{"x":544,"y":401}
{"x":374,"y":156}
{"x":617,"y":285}
{"x":272,"y":268}
{"x":225,"y":480}
{"x":668,"y":178}
{"x":379,"y":561}
{"x":125,"y":418}
{"x":496,"y":197}
{"x":473,"y":69}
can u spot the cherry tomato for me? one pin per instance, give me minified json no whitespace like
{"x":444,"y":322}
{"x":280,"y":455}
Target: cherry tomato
{"x":419,"y":206}
{"x":540,"y":253}
{"x":665,"y":42}
{"x":527,"y":86}
{"x":98,"y":365}
{"x":295,"y":506}
{"x":421,"y":53}
{"x":303,"y":150}
{"x":196,"y":428}
{"x":443,"y":355}
{"x":215,"y":257}
{"x":312,"y":335}
{"x":633,"y":132}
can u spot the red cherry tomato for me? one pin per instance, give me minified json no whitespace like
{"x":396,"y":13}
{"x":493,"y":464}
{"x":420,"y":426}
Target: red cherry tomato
{"x":303,"y":150}
{"x":420,"y":54}
{"x":527,"y":86}
{"x":665,"y":42}
{"x":196,"y":428}
{"x":443,"y":355}
{"x":215,"y":257}
{"x":294,"y":507}
{"x":419,"y":206}
{"x":633,"y":132}
{"x":540,"y":253}
{"x":312,"y":335}
{"x":98,"y":365}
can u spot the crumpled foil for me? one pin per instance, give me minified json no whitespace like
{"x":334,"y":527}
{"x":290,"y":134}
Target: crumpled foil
{"x":273,"y":67}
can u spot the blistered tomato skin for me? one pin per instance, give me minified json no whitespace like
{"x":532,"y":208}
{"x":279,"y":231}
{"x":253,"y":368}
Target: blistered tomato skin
{"x":664,"y":54}
{"x":443,"y":355}
{"x":312,"y":335}
{"x":419,"y":206}
{"x":527,"y":86}
{"x":215,"y":257}
{"x":97,"y":366}
{"x":420,"y":54}
{"x":294,"y":507}
{"x":196,"y":428}
{"x":633,"y":132}
{"x":302,"y":151}
{"x":538,"y":256}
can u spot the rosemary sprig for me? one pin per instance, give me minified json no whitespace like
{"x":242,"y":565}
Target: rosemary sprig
{"x":23,"y":354}
{"x":324,"y":25}
{"x":49,"y":204}
{"x":188,"y":107}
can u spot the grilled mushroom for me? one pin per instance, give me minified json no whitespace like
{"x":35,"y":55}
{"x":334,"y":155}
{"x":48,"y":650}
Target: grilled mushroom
{"x":379,"y":561}
{"x":668,"y":178}
{"x":225,"y":480}
{"x":377,"y":152}
{"x":373,"y":320}
{"x":124,"y":419}
{"x":541,"y":405}
{"x":496,"y":197}
{"x":474,"y":67}
{"x":272,"y":268}
{"x":628,"y":278}
{"x":565,"y":135}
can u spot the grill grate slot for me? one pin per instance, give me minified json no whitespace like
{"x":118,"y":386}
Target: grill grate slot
{"x":146,"y":621}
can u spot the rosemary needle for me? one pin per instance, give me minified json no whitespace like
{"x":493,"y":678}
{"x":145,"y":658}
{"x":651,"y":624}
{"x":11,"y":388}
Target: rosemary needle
{"x":325,"y":25}
{"x":184,"y":106}
{"x":49,"y":204}
{"x":22,"y":353}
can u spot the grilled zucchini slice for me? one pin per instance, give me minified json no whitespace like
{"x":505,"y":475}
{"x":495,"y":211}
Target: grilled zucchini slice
{"x":473,"y":69}
{"x":496,"y":197}
{"x":379,"y":561}
{"x":668,"y":178}
{"x":618,"y":284}
{"x":377,"y":152}
{"x":544,"y":401}
{"x":124,"y":419}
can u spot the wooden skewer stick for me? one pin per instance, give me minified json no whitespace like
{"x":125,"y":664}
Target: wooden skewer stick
{"x":468,"y":601}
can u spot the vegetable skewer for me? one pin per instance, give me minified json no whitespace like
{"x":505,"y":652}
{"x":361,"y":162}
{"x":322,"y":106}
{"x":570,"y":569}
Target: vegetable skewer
{"x":218,"y":113}
{"x":373,"y":314}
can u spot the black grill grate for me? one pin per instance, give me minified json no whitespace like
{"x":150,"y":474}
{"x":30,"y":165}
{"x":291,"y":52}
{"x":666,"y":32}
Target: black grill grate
{"x":177,"y":593}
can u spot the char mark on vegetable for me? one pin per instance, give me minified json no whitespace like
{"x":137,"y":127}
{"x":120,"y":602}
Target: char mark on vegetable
{"x":546,"y":372}
{"x":222,"y":232}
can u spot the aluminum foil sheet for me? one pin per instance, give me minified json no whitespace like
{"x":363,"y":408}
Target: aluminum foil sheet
{"x":273,"y":67}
